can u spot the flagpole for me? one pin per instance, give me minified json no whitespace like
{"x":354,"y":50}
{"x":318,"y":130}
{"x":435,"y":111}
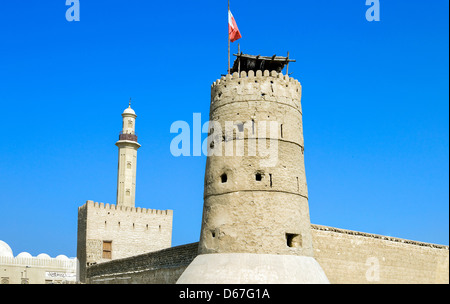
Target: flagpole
{"x":228,"y":14}
{"x":239,"y":59}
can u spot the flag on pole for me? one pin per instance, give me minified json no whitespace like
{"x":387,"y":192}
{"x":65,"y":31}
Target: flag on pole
{"x":233,"y":30}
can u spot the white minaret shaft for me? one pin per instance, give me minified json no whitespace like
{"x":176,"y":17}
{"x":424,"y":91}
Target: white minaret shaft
{"x":128,"y":146}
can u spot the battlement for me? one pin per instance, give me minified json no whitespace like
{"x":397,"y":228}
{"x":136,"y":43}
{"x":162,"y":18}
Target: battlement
{"x":259,"y":74}
{"x":259,"y":86}
{"x":125,"y":209}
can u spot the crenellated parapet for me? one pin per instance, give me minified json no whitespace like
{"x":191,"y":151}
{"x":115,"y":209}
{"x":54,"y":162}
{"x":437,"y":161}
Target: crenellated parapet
{"x":103,"y":206}
{"x":251,"y":105}
{"x":108,"y":231}
{"x":259,"y":86}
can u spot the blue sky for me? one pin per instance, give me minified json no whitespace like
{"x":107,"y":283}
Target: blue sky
{"x":375,"y":109}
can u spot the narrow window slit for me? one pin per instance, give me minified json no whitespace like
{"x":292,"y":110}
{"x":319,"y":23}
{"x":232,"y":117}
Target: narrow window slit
{"x":224,"y":178}
{"x":258,"y":177}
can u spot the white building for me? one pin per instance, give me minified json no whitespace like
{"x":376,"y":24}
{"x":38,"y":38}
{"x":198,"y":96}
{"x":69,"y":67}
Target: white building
{"x":42,"y":269}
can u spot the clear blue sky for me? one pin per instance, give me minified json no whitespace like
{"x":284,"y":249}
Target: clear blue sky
{"x":375,"y":109}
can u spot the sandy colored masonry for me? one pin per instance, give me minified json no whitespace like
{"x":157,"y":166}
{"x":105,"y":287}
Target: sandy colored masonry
{"x":346,"y":257}
{"x":131,"y":231}
{"x":252,"y":204}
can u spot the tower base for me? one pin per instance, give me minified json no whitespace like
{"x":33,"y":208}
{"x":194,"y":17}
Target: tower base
{"x":250,"y":268}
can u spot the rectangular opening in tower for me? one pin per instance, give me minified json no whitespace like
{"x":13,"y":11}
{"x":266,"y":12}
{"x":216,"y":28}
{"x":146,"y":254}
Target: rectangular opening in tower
{"x":224,"y":178}
{"x":258,"y":177}
{"x":293,"y":240}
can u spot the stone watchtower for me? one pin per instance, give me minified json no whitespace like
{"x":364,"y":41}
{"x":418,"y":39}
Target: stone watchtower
{"x":106,"y":231}
{"x":256,"y":225}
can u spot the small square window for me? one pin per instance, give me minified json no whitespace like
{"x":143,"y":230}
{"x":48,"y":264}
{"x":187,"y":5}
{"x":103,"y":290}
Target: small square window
{"x":293,"y":240}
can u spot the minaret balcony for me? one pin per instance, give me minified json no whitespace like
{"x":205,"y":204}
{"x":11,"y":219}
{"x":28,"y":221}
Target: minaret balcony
{"x":128,"y":136}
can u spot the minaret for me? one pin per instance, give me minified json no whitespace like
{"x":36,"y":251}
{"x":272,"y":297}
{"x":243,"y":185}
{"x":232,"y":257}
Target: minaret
{"x":128,"y":146}
{"x":256,"y":226}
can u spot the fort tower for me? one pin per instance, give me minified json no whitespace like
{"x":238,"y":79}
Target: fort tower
{"x":256,"y":226}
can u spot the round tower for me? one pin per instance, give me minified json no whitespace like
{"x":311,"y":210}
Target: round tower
{"x":256,"y":202}
{"x":128,"y":146}
{"x":256,"y":226}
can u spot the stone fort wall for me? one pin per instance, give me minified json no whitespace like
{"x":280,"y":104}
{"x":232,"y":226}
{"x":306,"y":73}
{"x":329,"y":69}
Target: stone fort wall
{"x":160,"y":267}
{"x":347,"y":257}
{"x":353,"y":257}
{"x":130,"y":231}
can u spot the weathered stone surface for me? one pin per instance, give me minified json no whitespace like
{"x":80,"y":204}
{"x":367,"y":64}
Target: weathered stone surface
{"x":252,"y":223}
{"x":353,"y":257}
{"x":159,"y":267}
{"x":345,"y":256}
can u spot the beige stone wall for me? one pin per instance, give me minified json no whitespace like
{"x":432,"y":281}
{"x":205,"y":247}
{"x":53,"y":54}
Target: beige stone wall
{"x":351,"y":257}
{"x":159,"y":267}
{"x":132,"y":231}
{"x":347,"y":257}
